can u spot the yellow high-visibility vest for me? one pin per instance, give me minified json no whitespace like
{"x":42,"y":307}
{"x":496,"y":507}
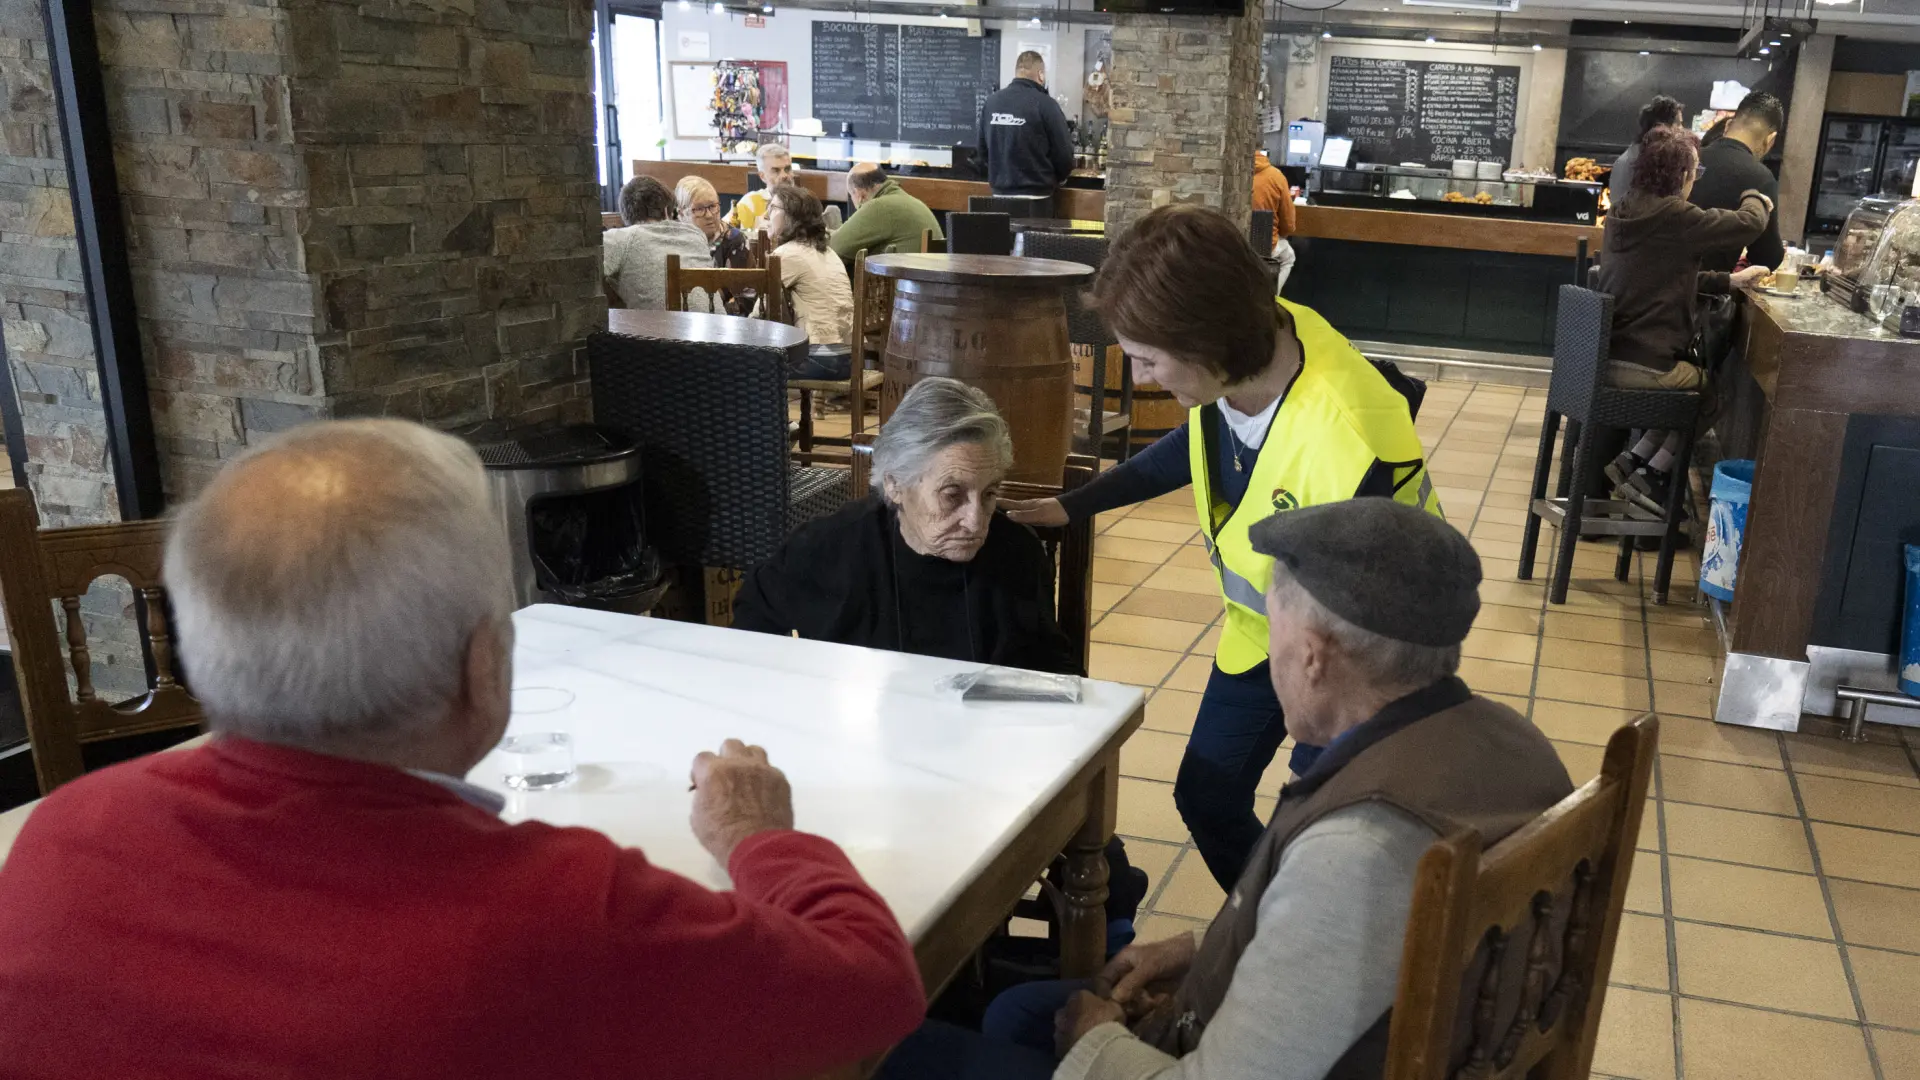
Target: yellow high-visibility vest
{"x":1338,"y":420}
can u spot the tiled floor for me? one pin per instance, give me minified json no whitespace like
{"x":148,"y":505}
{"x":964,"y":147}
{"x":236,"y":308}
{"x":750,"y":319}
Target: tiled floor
{"x":1773,"y":926}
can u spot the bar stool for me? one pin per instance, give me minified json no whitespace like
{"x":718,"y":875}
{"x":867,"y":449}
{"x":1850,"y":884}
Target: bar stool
{"x":1579,"y":393}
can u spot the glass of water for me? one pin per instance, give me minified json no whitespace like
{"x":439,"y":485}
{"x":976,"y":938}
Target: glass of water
{"x":541,"y":758}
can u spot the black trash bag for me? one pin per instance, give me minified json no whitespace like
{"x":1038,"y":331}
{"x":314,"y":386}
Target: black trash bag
{"x":591,"y":548}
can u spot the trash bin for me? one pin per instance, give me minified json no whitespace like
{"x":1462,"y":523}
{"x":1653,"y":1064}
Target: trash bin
{"x":571,"y":501}
{"x":1726,"y":527}
{"x":1910,"y":625}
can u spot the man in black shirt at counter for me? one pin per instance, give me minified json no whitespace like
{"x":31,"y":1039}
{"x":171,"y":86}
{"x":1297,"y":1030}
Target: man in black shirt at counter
{"x":1731,"y":166}
{"x":1024,"y":145}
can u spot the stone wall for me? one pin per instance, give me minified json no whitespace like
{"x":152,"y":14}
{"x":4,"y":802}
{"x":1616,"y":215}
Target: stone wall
{"x":1184,"y":113}
{"x":43,"y":299}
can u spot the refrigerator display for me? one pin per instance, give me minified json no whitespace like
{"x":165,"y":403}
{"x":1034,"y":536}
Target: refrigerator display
{"x":1849,"y":161}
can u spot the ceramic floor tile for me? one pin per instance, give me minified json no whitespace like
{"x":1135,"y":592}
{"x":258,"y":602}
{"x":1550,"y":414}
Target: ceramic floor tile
{"x":1167,"y":604}
{"x":1866,"y":855}
{"x":1640,"y":952}
{"x":1182,"y":579}
{"x":1152,"y":755}
{"x":1144,"y":551}
{"x":1709,"y":832}
{"x":1192,"y":674}
{"x":1514,"y":516}
{"x":1172,"y":711}
{"x":1123,"y":663}
{"x":1899,"y":1053}
{"x":1687,"y":668}
{"x":1582,"y":761}
{"x":1579,"y":627}
{"x":1568,"y":721}
{"x":1166,"y":532}
{"x":1509,"y":620}
{"x":1591,"y":688}
{"x":1183,"y":497}
{"x":1158,"y":927}
{"x":1146,"y":810}
{"x":1120,"y":572}
{"x":1748,"y":896}
{"x":1191,"y":891}
{"x":1495,"y":676}
{"x":1106,"y":594}
{"x":1627,"y":660}
{"x":1192,"y":557}
{"x":1153,"y":857}
{"x":1726,"y":1042}
{"x":1643,"y":884}
{"x":1881,"y":916}
{"x":1679,"y":699}
{"x":1509,"y":500}
{"x":1649,"y":835}
{"x":1689,"y":736}
{"x":1854,"y":802}
{"x":1748,"y":967}
{"x":1822,"y":756}
{"x":1145,"y":633}
{"x":1153,"y":511}
{"x":1500,"y":645}
{"x":1735,"y":787}
{"x":1887,"y":982}
{"x":1636,"y":1035}
{"x":1525,"y":595}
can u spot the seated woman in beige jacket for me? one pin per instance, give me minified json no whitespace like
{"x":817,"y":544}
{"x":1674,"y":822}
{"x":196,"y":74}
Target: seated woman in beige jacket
{"x":815,"y":278}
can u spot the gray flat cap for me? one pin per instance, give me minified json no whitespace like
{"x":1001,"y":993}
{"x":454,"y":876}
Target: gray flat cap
{"x":1381,"y":565}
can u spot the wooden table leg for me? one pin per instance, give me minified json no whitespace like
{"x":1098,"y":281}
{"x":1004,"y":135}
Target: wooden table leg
{"x":1083,"y":937}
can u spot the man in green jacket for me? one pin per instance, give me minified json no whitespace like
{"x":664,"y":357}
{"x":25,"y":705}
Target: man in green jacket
{"x":885,"y":218}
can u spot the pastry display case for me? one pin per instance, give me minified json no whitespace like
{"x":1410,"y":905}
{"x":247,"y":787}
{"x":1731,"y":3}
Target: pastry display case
{"x":1876,"y":264}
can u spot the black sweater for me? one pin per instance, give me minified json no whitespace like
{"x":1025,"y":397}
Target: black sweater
{"x":1729,"y":172}
{"x":851,"y":578}
{"x":1023,"y":141}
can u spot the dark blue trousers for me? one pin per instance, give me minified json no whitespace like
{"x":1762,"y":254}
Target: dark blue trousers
{"x":1235,"y":735}
{"x":1015,"y":1041}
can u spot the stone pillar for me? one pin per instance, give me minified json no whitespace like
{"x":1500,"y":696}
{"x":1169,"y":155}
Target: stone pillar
{"x":1805,"y":123}
{"x":1538,"y":144}
{"x":1184,"y":113}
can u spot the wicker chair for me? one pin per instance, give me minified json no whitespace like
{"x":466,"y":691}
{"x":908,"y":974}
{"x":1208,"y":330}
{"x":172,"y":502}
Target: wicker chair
{"x":979,"y":234}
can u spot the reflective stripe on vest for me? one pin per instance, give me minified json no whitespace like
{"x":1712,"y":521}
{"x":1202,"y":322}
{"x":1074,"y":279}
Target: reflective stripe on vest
{"x":1339,"y":417}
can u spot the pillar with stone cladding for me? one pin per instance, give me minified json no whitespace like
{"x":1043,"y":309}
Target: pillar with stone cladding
{"x":1184,"y":119}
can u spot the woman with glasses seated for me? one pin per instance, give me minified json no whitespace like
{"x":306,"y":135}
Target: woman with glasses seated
{"x":700,"y":207}
{"x":1650,"y":265}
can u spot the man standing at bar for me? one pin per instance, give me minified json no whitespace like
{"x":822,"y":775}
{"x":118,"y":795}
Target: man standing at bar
{"x":1024,"y":145}
{"x":885,"y":218}
{"x":1731,"y":166}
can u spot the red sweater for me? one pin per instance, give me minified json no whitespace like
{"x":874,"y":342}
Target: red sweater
{"x":245,"y":910}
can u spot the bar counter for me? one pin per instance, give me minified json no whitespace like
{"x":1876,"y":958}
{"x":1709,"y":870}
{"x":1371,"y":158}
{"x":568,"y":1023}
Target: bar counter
{"x":1836,"y":493}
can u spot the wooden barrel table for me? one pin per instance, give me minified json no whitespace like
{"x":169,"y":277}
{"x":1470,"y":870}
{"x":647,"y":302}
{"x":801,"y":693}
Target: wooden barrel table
{"x":995,"y":322}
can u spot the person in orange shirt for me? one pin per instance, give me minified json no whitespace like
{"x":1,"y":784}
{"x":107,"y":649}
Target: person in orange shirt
{"x":1271,"y":191}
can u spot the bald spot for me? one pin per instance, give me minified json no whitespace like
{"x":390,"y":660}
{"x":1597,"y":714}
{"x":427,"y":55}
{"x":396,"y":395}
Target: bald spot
{"x":866,"y":176}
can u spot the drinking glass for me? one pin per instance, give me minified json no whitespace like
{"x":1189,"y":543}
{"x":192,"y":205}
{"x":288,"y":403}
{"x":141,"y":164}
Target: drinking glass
{"x":542,"y":756}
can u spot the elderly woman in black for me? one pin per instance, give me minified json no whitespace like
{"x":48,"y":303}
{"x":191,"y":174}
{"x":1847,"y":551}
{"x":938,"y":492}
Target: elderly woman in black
{"x":928,"y":565}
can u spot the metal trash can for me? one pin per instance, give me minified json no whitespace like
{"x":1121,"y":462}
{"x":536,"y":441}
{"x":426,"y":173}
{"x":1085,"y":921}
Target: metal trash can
{"x":572,"y":502}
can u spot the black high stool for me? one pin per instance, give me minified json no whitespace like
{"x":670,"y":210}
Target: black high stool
{"x":1579,"y":393}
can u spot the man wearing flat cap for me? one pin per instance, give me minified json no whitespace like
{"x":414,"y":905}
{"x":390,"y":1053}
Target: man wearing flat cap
{"x":1369,"y":602}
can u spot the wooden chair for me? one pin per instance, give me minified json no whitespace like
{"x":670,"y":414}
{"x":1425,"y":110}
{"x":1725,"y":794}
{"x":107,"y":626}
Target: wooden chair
{"x":872,"y":315}
{"x":929,"y":245}
{"x":765,"y":281}
{"x":1507,"y":952}
{"x":759,"y":247}
{"x":43,"y":566}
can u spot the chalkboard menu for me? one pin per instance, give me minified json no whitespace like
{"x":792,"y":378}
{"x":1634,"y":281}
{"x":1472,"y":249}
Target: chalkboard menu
{"x":856,"y":78}
{"x":945,"y":77}
{"x":920,"y":84}
{"x":1423,"y":110}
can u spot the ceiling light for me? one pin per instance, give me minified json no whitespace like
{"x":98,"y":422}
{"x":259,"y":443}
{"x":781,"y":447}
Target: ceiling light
{"x":1536,"y":46}
{"x":1775,"y":44}
{"x":1430,"y":39}
{"x":1644,"y":52}
{"x":719,"y":9}
{"x":1326,"y":35}
{"x":1036,"y":21}
{"x":1764,"y":50}
{"x":766,"y":9}
{"x":686,"y":5}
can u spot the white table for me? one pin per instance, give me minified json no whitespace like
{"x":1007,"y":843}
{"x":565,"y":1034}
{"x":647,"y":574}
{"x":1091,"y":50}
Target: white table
{"x":949,"y":809}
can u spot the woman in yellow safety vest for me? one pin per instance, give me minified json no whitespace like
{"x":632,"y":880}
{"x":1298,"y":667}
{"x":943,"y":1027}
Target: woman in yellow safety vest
{"x":1283,"y":412}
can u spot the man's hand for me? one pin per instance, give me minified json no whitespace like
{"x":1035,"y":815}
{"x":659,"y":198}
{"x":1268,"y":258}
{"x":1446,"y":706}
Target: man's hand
{"x":1083,"y":1013}
{"x":1139,"y":967}
{"x":1743,"y":278}
{"x":1047,"y":513}
{"x":736,"y":794}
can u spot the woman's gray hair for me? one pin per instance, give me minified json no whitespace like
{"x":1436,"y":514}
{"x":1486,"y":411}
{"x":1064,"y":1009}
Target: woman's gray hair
{"x":325,"y":586}
{"x":1384,"y":661}
{"x":935,"y":414}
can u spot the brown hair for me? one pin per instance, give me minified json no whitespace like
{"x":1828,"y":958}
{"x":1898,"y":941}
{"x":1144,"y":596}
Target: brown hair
{"x":645,"y":199}
{"x":806,"y":219}
{"x":1185,"y":279}
{"x":1668,"y":157}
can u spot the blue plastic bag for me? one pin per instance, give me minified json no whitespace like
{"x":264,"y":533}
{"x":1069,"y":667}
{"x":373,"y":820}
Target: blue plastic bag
{"x":1910,"y":626}
{"x":1726,"y":527}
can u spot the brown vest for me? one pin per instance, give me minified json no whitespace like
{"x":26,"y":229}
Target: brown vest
{"x":1440,"y":755}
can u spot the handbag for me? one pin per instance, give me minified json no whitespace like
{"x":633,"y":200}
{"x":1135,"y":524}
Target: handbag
{"x":1713,"y":318}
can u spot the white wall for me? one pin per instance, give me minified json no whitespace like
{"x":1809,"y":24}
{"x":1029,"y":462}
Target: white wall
{"x":788,"y":37}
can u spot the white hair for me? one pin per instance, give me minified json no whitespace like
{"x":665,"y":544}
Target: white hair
{"x":772,"y":150}
{"x":1384,"y":661}
{"x":326,"y":585}
{"x":935,"y":414}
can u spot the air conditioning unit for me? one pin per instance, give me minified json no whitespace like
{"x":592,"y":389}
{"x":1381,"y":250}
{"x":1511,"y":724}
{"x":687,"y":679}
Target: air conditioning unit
{"x":1467,"y":5}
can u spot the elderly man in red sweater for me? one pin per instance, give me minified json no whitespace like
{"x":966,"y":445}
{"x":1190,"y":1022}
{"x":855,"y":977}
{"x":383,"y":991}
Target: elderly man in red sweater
{"x":316,"y":893}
